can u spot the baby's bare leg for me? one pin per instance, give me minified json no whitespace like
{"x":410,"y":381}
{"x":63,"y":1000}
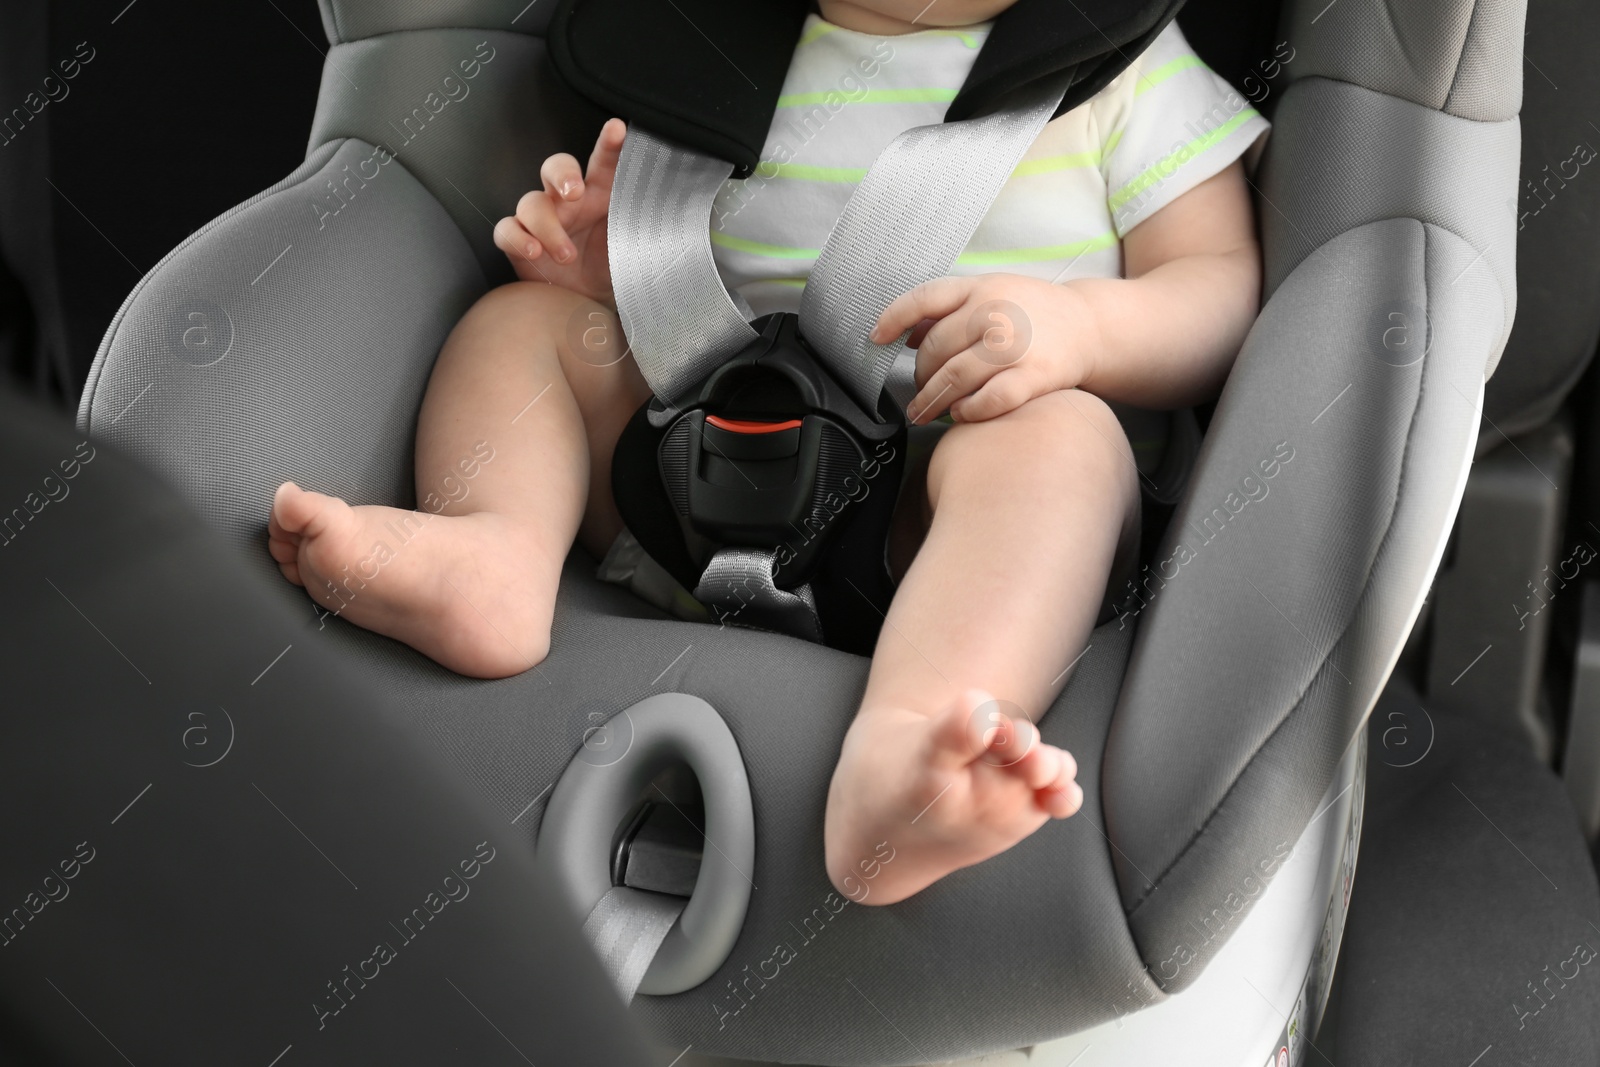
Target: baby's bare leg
{"x":542,"y":371}
{"x":1028,"y":513}
{"x":514,"y":445}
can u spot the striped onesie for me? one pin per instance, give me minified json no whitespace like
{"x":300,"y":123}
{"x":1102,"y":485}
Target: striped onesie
{"x":1165,"y":125}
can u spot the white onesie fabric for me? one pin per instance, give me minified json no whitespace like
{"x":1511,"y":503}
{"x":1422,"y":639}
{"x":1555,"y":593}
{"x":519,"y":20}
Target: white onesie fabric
{"x":1163,"y":126}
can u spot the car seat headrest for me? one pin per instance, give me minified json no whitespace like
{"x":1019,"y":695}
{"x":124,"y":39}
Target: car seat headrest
{"x":707,"y":73}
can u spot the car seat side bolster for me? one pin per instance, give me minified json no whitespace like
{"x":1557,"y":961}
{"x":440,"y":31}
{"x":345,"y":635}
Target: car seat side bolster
{"x":291,"y":338}
{"x":315,"y":161}
{"x":1341,"y":155}
{"x":1324,"y":494}
{"x":434,"y":99}
{"x":1460,"y":58}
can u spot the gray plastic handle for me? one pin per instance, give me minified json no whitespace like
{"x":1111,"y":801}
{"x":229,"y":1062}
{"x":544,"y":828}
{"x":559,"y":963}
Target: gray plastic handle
{"x":599,"y":788}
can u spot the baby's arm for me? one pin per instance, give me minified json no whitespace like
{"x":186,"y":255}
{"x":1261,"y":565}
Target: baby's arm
{"x":1163,"y":336}
{"x":1168,"y":330}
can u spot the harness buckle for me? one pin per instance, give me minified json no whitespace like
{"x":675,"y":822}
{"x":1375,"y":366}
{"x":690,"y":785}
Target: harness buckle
{"x":771,"y":452}
{"x":774,"y":490}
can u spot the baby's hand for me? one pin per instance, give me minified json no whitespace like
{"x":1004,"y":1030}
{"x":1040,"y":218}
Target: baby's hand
{"x":988,"y":344}
{"x":558,"y":234}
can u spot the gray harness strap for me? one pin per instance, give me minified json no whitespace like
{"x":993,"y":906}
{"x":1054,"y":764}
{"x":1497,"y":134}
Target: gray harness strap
{"x":680,"y":322}
{"x":913,"y":213}
{"x":626,"y":928}
{"x":905,"y":224}
{"x":738,"y":584}
{"x":908,"y":220}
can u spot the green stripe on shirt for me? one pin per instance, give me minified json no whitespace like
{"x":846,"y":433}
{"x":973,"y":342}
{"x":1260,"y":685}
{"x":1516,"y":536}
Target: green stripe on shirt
{"x":1153,"y":174}
{"x":1003,"y":256}
{"x":1051,"y":164}
{"x":821,"y":29}
{"x":807,"y":172}
{"x":1165,"y":71}
{"x":994,"y":258}
{"x":971,"y":40}
{"x":768,"y":169}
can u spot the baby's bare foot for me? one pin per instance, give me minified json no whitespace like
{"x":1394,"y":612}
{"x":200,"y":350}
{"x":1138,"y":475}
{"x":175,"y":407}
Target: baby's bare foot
{"x":938,"y":794}
{"x":471,"y":591}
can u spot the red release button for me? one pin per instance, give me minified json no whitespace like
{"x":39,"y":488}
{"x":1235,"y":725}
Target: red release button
{"x":751,"y":426}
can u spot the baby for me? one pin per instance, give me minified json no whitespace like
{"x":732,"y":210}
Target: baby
{"x":1124,"y":246}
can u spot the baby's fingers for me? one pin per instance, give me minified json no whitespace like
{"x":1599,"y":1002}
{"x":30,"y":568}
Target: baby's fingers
{"x":930,"y":300}
{"x":1006,"y":391}
{"x":536,"y":212}
{"x":562,"y":178}
{"x":607,"y":150}
{"x":958,"y":376}
{"x":512,"y":238}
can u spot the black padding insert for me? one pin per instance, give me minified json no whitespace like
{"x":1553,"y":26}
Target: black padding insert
{"x":1038,"y":37}
{"x":703,"y":72}
{"x":1237,"y":39}
{"x":642,"y":500}
{"x":707,"y":73}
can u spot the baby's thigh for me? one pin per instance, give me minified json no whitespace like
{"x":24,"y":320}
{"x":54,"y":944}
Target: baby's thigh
{"x":1064,"y":443}
{"x":599,"y":368}
{"x":517,"y":334}
{"x":1053,"y":462}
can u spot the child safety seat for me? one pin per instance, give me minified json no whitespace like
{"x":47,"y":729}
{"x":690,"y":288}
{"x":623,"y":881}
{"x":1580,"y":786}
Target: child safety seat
{"x":764,"y":472}
{"x":672,"y":774}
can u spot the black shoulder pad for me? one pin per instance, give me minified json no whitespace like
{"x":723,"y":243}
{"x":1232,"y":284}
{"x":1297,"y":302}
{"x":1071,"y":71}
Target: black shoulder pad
{"x":1034,"y":38}
{"x":706,"y":73}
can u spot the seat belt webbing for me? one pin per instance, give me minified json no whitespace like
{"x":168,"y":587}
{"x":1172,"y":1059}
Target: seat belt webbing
{"x":626,"y":929}
{"x":908,"y":220}
{"x":739,"y":585}
{"x":680,"y":322}
{"x":915,"y":210}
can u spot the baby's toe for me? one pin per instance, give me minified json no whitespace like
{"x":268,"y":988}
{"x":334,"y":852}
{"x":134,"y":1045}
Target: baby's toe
{"x":1061,"y":797}
{"x":291,"y":571}
{"x":1042,"y":765}
{"x":299,"y":513}
{"x":1011,"y":743}
{"x":283,"y":547}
